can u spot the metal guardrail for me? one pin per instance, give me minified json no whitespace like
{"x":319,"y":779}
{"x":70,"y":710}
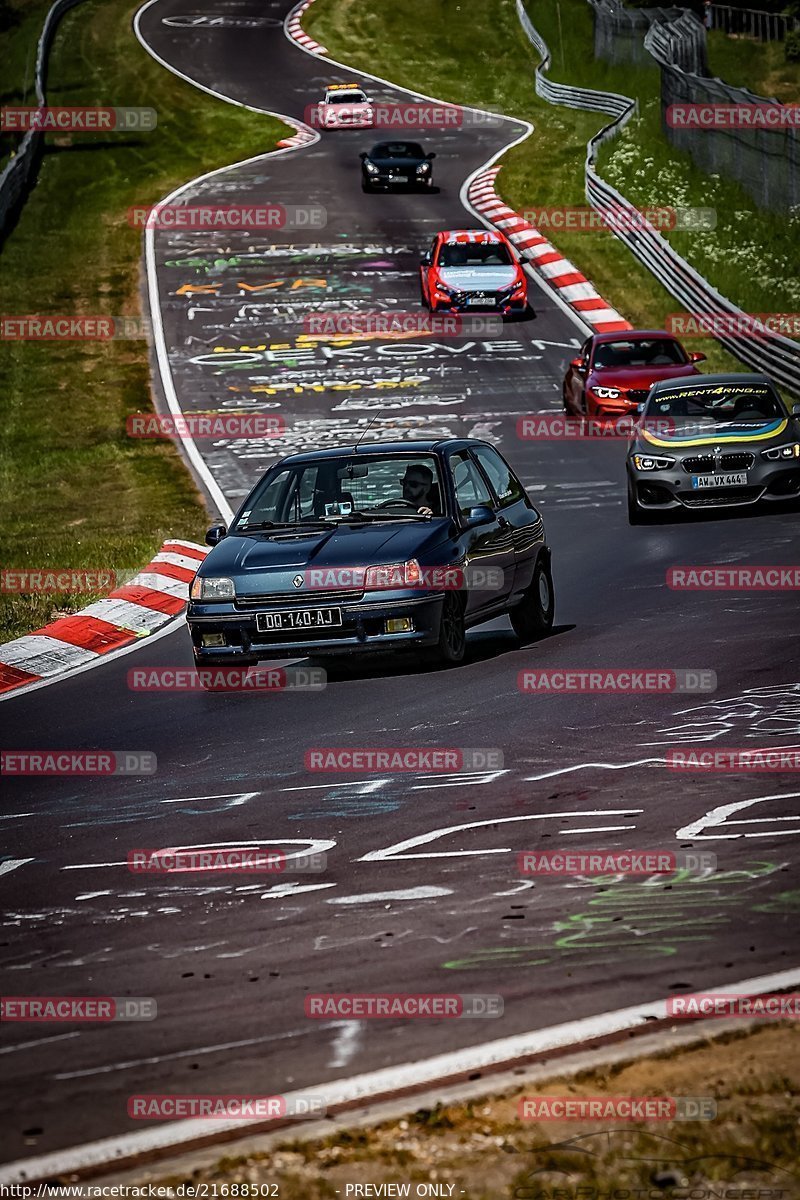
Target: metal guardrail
{"x":750,"y":22}
{"x":19,"y":172}
{"x":764,"y":160}
{"x":773,"y":354}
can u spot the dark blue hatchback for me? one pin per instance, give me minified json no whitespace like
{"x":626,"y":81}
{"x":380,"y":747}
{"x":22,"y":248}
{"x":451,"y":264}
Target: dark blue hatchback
{"x":380,"y":547}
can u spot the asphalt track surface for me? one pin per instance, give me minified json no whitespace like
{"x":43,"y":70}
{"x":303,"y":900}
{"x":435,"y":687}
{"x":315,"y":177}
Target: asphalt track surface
{"x":230,"y":959}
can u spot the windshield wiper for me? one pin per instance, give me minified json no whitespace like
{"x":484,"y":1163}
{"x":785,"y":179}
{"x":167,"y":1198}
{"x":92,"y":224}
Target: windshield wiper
{"x":259,"y":526}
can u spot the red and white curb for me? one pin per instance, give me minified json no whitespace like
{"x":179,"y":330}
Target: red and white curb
{"x":558,"y":272}
{"x":152,"y":599}
{"x":295,"y":29}
{"x":304,"y":137}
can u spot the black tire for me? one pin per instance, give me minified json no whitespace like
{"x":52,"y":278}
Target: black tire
{"x":532,"y":618}
{"x":452,"y":644}
{"x":365,"y":187}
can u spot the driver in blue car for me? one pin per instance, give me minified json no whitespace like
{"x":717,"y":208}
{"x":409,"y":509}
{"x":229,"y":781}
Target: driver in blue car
{"x":418,"y":489}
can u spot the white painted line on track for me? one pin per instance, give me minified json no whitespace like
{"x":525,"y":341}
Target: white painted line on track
{"x":384,"y":1083}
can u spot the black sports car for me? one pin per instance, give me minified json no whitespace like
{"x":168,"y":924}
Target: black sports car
{"x":375,"y":547}
{"x":396,"y":164}
{"x":712,"y":441}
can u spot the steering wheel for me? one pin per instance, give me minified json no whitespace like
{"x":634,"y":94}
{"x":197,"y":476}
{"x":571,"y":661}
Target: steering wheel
{"x":391,"y":503}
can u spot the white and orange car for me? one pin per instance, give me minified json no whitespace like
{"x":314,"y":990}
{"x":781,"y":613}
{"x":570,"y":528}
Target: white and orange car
{"x":345,"y":106}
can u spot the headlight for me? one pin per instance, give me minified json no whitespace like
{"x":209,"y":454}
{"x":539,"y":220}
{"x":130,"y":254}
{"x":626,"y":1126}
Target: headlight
{"x":607,"y":393}
{"x":777,"y":452}
{"x":514,"y":288}
{"x":394,"y":575}
{"x":648,"y":462}
{"x":442,"y":287}
{"x":423,"y":167}
{"x":373,"y":170}
{"x":212,"y":589}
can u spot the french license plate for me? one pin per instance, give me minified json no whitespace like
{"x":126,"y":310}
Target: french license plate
{"x":719,"y":481}
{"x":304,"y":618}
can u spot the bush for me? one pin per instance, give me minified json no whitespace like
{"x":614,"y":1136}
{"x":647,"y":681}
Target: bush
{"x":791,"y":47}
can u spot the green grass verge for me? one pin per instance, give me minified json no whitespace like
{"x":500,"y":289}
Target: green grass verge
{"x":20,"y":25}
{"x":485,"y":59}
{"x":759,"y":66}
{"x":76,"y":491}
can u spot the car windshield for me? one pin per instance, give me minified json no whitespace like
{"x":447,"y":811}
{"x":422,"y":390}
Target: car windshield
{"x":474,"y":254}
{"x":731,"y":402}
{"x":397,"y":150}
{"x":347,"y":97}
{"x":390,"y":486}
{"x":639,"y":352}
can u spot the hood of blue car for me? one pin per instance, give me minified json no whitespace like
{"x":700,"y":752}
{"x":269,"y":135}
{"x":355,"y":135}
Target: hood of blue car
{"x":269,"y":562}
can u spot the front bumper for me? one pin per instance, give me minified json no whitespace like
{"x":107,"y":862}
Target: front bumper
{"x":362,"y":629}
{"x":388,"y":182}
{"x":460,"y":303}
{"x":672,"y":488}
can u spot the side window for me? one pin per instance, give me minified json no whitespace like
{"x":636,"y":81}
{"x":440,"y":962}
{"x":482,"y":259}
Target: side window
{"x":470,"y":488}
{"x":507,"y":487}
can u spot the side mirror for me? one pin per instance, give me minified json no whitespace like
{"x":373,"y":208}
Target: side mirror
{"x":480,"y":515}
{"x":215,"y":534}
{"x":696,"y":356}
{"x":426,"y":259}
{"x":796,"y":410}
{"x":577,"y":363}
{"x":363,"y":155}
{"x":431,"y":155}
